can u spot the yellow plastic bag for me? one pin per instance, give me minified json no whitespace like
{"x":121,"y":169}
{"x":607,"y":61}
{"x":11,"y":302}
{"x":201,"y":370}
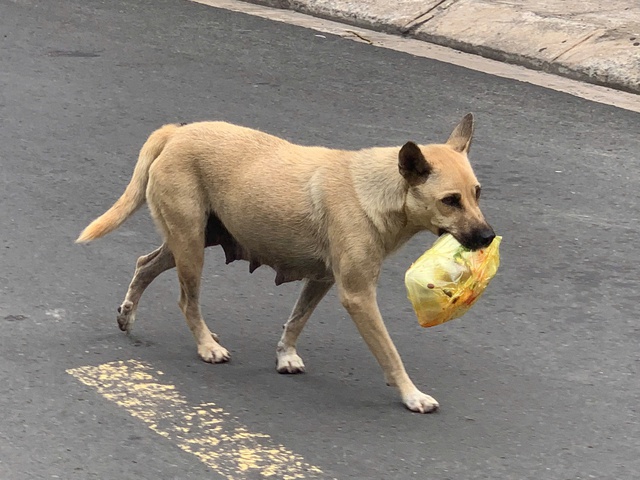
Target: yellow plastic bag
{"x":448,"y":279}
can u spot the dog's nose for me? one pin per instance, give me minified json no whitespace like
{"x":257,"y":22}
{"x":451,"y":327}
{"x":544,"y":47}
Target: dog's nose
{"x":477,"y":238}
{"x":485,"y":237}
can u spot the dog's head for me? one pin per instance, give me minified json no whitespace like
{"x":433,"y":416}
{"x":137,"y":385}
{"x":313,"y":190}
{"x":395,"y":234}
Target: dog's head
{"x":443,"y":192}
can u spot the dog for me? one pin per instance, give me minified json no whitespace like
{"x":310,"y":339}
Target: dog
{"x":320,"y":215}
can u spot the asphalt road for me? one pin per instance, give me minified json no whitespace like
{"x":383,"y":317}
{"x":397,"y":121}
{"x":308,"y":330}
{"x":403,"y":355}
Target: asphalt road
{"x":539,"y":380}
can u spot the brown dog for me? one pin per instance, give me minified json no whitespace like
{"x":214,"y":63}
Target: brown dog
{"x":311,"y":213}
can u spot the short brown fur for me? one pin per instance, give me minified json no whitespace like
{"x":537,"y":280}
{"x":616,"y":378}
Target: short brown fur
{"x":315,"y":214}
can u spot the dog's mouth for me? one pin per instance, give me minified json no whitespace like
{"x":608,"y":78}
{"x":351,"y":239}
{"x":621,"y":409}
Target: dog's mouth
{"x":475,"y":240}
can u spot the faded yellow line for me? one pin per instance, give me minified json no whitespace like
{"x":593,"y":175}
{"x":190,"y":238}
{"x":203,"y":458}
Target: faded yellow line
{"x":206,"y":431}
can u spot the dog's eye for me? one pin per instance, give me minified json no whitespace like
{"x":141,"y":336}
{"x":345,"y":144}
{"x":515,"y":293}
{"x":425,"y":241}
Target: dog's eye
{"x":478,"y":192}
{"x":452,"y":200}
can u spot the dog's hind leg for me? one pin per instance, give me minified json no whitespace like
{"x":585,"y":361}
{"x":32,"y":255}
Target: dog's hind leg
{"x":148,"y":267}
{"x":183,"y":218}
{"x":189,"y":257}
{"x":288,"y":360}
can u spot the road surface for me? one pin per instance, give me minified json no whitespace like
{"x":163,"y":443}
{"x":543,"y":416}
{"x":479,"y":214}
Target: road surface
{"x":539,"y":380}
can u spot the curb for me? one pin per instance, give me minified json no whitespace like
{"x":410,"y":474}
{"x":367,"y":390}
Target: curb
{"x":601,"y":48}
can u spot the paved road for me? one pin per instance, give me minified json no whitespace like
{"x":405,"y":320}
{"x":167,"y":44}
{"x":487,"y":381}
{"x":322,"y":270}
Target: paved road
{"x":539,"y":380}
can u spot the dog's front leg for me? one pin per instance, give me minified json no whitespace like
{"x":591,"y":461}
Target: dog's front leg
{"x":362,"y":305}
{"x":288,"y":360}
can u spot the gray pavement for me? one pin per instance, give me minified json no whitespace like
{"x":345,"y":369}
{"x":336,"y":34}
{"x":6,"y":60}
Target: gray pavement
{"x":587,"y":40}
{"x":538,"y":381}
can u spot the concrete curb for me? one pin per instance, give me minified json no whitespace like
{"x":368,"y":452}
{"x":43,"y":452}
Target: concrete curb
{"x":582,"y":40}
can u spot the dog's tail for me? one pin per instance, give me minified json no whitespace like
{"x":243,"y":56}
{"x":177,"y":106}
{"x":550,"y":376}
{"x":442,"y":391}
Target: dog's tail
{"x":134,"y":195}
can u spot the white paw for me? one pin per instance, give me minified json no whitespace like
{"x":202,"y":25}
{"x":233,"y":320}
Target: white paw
{"x":289,"y":363}
{"x":126,"y":316}
{"x":213,"y":353}
{"x":420,"y":402}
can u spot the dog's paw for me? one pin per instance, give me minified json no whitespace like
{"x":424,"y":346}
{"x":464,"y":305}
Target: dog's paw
{"x":420,"y":402}
{"x":289,"y":363}
{"x":214,"y":353}
{"x":126,"y":316}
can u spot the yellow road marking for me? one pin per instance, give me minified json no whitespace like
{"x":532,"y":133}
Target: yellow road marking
{"x":206,"y":431}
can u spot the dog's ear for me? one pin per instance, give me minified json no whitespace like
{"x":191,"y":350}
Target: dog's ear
{"x":460,"y":139}
{"x":412,"y":164}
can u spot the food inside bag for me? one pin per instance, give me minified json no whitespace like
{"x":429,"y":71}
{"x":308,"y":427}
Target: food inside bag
{"x":448,"y":279}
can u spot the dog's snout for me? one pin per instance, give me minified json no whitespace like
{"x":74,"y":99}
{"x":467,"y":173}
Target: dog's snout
{"x":486,"y":236}
{"x":479,"y":238}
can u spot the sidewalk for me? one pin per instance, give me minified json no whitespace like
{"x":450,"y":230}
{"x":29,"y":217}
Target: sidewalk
{"x":588,"y":40}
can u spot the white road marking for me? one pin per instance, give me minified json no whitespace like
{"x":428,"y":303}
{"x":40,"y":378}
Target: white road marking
{"x":56,"y":313}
